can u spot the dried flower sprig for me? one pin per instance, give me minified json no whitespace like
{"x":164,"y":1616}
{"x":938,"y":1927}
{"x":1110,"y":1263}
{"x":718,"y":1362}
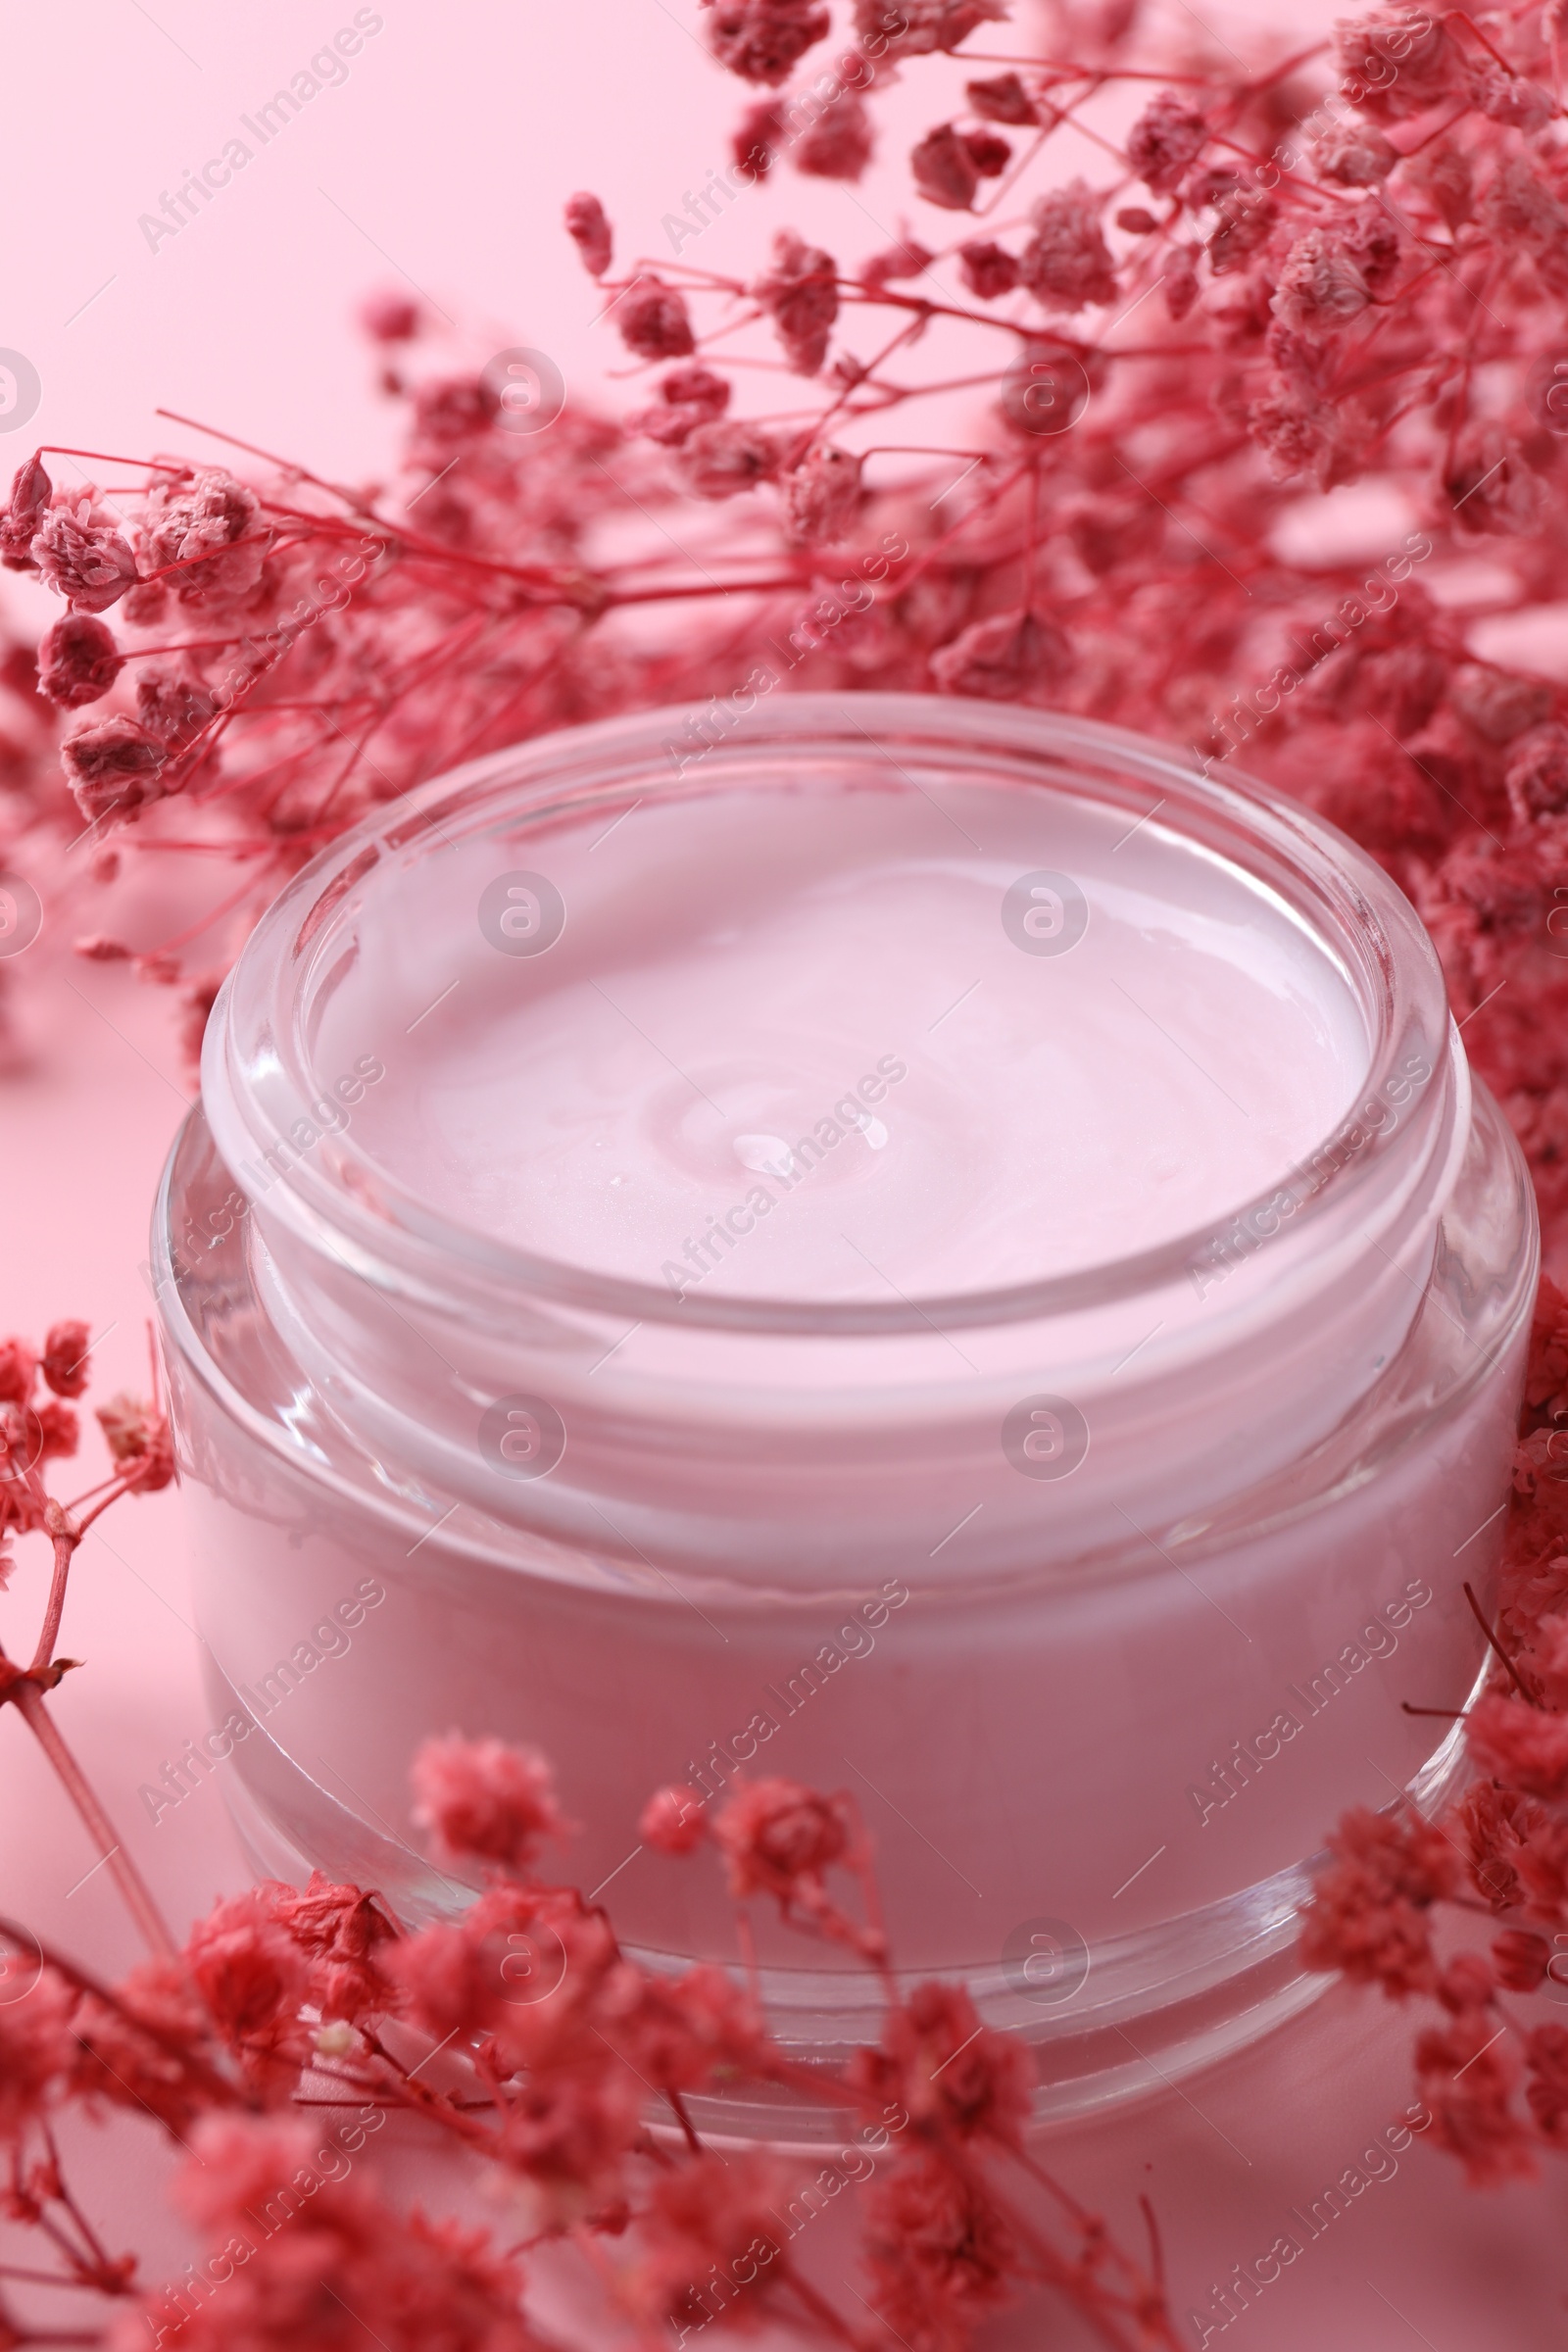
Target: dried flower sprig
{"x":1291,"y":272}
{"x":1498,"y":1856}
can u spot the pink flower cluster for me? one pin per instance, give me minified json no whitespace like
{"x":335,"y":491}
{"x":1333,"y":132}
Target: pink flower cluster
{"x":1494,"y":2072}
{"x":1291,"y":272}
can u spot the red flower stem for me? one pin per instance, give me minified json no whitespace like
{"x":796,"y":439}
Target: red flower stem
{"x":128,"y":1877}
{"x":217,"y":2089}
{"x":125,"y":1482}
{"x":1094,"y":2303}
{"x":1495,"y":1644}
{"x":301,"y":474}
{"x":687,"y":2125}
{"x":17,"y":2269}
{"x":107,"y":457}
{"x":433,"y":2103}
{"x":65,"y":1547}
{"x":1156,"y":2251}
{"x":111,"y":2273}
{"x":83,"y":2263}
{"x":820,"y":2309}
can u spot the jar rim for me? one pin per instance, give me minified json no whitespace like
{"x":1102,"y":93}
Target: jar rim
{"x":256,"y":1075}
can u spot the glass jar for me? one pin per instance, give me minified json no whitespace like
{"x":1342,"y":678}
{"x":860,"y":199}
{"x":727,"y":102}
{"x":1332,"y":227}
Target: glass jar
{"x":1090,"y":1533}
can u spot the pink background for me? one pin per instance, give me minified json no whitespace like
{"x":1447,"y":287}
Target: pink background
{"x":442,"y":160}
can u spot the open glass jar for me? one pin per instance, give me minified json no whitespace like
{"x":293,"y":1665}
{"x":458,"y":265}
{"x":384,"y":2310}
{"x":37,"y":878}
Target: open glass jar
{"x":914,"y":1245}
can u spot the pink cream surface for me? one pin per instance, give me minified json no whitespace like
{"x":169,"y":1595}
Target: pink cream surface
{"x":810,"y":1009}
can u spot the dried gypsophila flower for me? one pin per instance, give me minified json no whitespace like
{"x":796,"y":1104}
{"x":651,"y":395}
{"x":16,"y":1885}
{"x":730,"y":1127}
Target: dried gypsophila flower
{"x":821,"y":497}
{"x":799,"y":294}
{"x":85,"y":562}
{"x":764,"y":40}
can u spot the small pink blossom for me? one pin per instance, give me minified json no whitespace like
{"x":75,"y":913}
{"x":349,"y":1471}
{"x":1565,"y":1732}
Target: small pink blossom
{"x":1320,"y":288}
{"x":916,"y":27}
{"x":1395,"y":65}
{"x":1536,"y":778}
{"x":1355,"y":155}
{"x":756,"y":140}
{"x":988,"y":269}
{"x":172,"y":704}
{"x":483,"y":1800}
{"x":30,"y":493}
{"x":1165,"y":141}
{"x":799,"y":294}
{"x":1002,"y":98}
{"x":18,"y":1369}
{"x":1180,"y":282}
{"x":944,"y":169}
{"x":897,"y":262}
{"x":840,"y":143}
{"x":672,"y":1821}
{"x":1521,"y":1959}
{"x":37,"y":2049}
{"x":764,"y":40}
{"x":776,"y":1837}
{"x":1520,"y":209}
{"x":1546,"y":2092}
{"x":87,"y":563}
{"x":590,"y":231}
{"x":140,"y":1444}
{"x":79,"y":660}
{"x":821,"y":497}
{"x":720,"y":461}
{"x":939,"y":2253}
{"x":1442,"y":175}
{"x":1512,"y":98}
{"x":1067,"y":262}
{"x":653,"y":320}
{"x":113,"y":767}
{"x":1520,"y":1744}
{"x":711,"y":2216}
{"x":1013,"y":656}
{"x":951,"y":2074}
{"x":203,"y":536}
{"x":340,"y":1935}
{"x":1489,"y":486}
{"x":1467,"y":2073}
{"x":390,"y":318}
{"x":688,"y":397}
{"x":452,"y":412}
{"x":64,"y":1361}
{"x":250,"y":1978}
{"x":1368,"y":1914}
